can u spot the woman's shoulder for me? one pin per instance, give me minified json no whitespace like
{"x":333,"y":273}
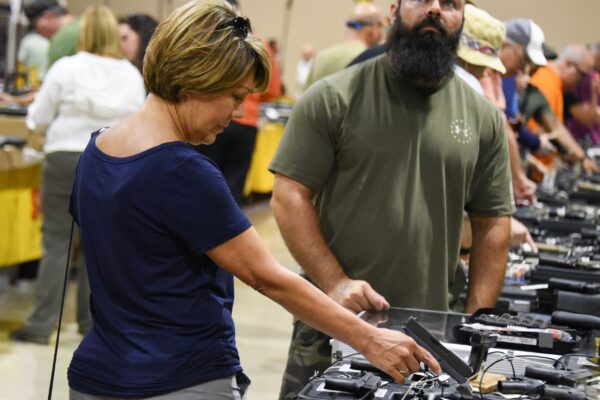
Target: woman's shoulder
{"x":62,"y":70}
{"x":64,"y":65}
{"x":186,"y":158}
{"x":185,"y":165}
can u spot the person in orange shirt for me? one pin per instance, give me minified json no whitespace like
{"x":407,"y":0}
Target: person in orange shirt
{"x":553,"y":80}
{"x":233,"y":149}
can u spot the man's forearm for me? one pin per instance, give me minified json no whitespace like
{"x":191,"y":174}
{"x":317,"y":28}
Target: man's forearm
{"x":567,"y":140}
{"x":299,"y":225}
{"x":487,"y":263}
{"x":585,"y":113}
{"x":516,"y":167}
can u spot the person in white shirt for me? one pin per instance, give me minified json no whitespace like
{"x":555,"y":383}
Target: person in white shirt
{"x":303,"y":67}
{"x":80,"y":94}
{"x":33,"y":54}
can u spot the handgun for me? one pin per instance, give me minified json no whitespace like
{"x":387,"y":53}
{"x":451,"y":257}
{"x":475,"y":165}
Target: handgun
{"x":451,"y":364}
{"x":360,"y":386}
{"x":531,"y":388}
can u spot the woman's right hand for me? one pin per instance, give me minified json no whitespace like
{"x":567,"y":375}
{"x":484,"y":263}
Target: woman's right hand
{"x":397,"y":354}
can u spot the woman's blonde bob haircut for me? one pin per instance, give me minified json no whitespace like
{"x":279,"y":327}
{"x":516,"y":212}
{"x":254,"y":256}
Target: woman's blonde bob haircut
{"x":99,"y":32}
{"x":192,"y":52}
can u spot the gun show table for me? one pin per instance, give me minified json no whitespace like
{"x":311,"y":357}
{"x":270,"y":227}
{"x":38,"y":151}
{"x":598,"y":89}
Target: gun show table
{"x":514,"y":363}
{"x":20,"y":175}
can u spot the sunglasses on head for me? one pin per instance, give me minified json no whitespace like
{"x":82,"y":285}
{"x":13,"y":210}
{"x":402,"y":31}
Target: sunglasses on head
{"x":241,"y":26}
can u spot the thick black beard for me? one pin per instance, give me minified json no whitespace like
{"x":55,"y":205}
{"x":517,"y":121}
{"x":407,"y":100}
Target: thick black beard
{"x":423,"y":58}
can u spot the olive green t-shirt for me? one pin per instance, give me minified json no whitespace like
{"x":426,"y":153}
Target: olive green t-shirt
{"x":333,"y":59}
{"x":394,"y":168}
{"x":64,"y":42}
{"x":533,"y":104}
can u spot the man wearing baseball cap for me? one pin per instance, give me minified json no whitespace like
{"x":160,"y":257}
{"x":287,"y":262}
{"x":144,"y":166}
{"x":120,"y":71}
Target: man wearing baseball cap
{"x":524,"y":43}
{"x":51,"y":20}
{"x":522,"y":46}
{"x":54,"y":22}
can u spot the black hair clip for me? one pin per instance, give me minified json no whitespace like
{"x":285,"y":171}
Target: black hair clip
{"x":241,"y":26}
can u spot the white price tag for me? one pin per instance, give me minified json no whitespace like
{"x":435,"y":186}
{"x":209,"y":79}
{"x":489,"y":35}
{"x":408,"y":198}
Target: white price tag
{"x":517,"y":340}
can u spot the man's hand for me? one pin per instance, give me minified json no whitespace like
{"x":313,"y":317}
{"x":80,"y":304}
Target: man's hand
{"x":6,"y":98}
{"x":595,"y":83}
{"x":357,"y":296}
{"x":376,"y":318}
{"x":23,"y":100}
{"x":546,"y":146}
{"x":524,"y":190}
{"x":397,"y":354}
{"x":589,"y":166}
{"x":519,"y":234}
{"x":536,"y":165}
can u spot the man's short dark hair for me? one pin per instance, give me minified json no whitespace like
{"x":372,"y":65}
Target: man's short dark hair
{"x":37,"y":8}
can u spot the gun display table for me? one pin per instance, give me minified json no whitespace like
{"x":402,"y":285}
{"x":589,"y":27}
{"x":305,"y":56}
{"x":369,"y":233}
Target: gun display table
{"x":345,"y":381}
{"x":20,"y":175}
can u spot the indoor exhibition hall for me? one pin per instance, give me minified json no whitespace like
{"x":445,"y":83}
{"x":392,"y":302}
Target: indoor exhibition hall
{"x":309,"y":199}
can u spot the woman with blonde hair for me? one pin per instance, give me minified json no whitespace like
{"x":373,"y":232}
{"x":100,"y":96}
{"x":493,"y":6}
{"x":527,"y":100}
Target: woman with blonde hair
{"x":81,"y":93}
{"x":163,"y":235}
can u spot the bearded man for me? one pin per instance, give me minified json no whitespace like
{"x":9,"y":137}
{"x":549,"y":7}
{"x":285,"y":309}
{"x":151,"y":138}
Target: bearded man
{"x":376,"y":166}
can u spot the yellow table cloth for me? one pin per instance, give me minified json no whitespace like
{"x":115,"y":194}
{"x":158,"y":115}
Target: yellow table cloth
{"x":259,"y":179}
{"x":20,"y":215}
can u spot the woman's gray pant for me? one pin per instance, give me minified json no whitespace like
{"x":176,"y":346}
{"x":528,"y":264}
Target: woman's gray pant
{"x":58,"y":174}
{"x":230,"y":388}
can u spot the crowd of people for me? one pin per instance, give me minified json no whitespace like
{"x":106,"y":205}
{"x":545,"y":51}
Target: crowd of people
{"x":410,"y":144}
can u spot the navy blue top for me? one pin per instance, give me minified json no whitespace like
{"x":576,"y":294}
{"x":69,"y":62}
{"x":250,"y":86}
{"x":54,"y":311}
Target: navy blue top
{"x":161,"y":308}
{"x":511,"y":94}
{"x":509,"y":88}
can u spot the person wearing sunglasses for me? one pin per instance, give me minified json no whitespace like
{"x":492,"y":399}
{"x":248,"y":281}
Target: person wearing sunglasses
{"x":554,"y":80}
{"x":364,"y":29}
